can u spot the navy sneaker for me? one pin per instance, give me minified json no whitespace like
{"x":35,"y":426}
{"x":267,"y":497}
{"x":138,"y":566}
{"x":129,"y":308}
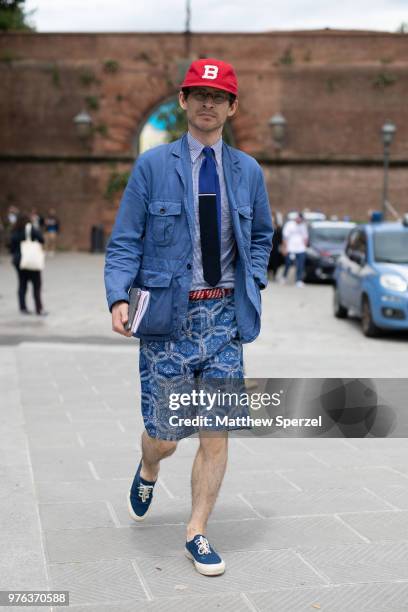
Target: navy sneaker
{"x":140,"y":496}
{"x":205,"y":559}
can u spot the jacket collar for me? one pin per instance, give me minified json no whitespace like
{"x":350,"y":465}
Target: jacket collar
{"x":232,"y":166}
{"x":176,"y":147}
{"x":196,"y":148}
{"x":181,"y":145}
{"x":230,"y":161}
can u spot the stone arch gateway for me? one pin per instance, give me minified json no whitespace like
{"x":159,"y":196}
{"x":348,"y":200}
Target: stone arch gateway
{"x":334,"y":88}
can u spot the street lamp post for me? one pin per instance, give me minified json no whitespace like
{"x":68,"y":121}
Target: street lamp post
{"x":83,"y":124}
{"x":387,"y":132}
{"x":278,"y":125}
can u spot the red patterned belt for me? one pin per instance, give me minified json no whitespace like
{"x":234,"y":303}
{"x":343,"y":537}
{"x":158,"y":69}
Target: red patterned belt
{"x":209,"y":294}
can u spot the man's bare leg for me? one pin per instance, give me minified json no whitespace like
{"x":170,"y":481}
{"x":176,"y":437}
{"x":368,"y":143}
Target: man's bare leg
{"x":206,"y":478}
{"x":153,"y":450}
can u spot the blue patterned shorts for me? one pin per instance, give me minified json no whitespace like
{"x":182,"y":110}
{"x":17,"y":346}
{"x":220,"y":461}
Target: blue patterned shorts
{"x":208,"y":348}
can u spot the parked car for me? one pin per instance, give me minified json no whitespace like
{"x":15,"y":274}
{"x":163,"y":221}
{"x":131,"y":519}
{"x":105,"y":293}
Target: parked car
{"x":308,"y":215}
{"x":313,"y":215}
{"x":327,"y":240}
{"x":371,"y":277}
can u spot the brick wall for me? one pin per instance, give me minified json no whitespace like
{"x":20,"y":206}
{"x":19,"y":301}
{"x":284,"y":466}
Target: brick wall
{"x":335,"y":90}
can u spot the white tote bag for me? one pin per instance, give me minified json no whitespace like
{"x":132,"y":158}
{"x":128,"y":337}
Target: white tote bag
{"x":32,"y":253}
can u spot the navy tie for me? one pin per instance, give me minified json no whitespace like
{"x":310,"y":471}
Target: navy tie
{"x":209,"y":206}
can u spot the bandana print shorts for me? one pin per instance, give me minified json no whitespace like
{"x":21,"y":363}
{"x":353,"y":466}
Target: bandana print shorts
{"x":209,"y":348}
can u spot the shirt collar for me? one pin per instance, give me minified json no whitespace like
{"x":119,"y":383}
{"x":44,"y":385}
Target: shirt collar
{"x":196,"y":147}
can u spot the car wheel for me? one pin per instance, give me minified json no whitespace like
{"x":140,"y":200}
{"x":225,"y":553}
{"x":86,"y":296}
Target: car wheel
{"x":340,"y":312}
{"x":368,"y":326}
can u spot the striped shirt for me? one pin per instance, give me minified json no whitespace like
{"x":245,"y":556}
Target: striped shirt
{"x":228,"y":246}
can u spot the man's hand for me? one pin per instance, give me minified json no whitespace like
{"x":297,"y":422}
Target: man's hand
{"x":120,"y":311}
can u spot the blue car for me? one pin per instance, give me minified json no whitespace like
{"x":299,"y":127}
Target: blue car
{"x":371,"y":277}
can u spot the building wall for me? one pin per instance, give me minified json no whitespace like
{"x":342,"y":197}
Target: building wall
{"x":334,"y":88}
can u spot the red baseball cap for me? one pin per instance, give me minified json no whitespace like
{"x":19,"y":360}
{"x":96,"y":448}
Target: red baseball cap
{"x":210,"y":72}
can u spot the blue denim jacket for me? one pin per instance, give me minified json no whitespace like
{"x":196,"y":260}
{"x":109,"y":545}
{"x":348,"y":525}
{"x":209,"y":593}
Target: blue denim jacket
{"x":151,"y":244}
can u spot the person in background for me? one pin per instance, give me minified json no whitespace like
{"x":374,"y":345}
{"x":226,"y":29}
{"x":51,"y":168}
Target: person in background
{"x":51,"y":230}
{"x":2,"y":236}
{"x":295,"y":239}
{"x":12,"y":214}
{"x":10,"y":220}
{"x":36,"y":219}
{"x":18,"y":234}
{"x":276,"y":259}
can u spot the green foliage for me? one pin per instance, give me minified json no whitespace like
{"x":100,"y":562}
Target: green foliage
{"x":101,"y":129}
{"x":116,"y":184}
{"x":92,"y":102}
{"x":87,"y":77}
{"x":53,"y":71}
{"x":13,"y":16}
{"x":383,"y":80}
{"x":119,"y":98}
{"x":8,"y":56}
{"x":145,"y":57}
{"x":111,"y":66}
{"x":174,"y":119}
{"x":55,"y":76}
{"x":331,"y":84}
{"x":286,"y":59}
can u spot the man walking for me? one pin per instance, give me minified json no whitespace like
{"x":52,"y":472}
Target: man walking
{"x":194,"y":229}
{"x":295,"y":239}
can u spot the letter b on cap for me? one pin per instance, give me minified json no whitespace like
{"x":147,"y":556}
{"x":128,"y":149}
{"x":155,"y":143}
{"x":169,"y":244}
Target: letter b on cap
{"x":210,"y":72}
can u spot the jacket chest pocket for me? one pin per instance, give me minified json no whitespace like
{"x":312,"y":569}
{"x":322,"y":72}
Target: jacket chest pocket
{"x":163,"y":216}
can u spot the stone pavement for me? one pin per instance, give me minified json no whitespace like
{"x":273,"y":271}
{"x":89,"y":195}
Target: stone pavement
{"x":303,"y":524}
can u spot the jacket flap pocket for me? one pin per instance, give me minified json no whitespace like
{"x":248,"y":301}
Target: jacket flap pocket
{"x":245,"y":211}
{"x":164,"y":208}
{"x":155,"y":278}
